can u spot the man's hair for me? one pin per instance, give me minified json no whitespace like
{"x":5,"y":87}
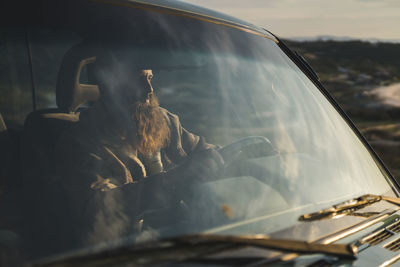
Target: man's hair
{"x":151,"y":129}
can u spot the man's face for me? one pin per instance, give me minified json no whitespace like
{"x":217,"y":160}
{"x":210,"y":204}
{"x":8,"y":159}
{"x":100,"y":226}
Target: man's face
{"x":144,"y":89}
{"x":125,"y":86}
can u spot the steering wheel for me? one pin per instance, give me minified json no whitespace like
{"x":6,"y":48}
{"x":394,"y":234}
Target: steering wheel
{"x":247,"y":147}
{"x":240,"y":150}
{"x":181,"y":211}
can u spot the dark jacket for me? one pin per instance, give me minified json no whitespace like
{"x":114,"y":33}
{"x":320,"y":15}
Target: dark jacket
{"x":108,"y":185}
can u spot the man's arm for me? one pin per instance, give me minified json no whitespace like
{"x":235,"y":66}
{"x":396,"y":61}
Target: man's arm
{"x":182,"y":143}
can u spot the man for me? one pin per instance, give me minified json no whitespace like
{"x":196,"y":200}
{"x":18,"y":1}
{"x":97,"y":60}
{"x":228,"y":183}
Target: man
{"x":127,"y":155}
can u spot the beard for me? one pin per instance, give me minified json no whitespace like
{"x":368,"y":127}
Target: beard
{"x":150,"y":129}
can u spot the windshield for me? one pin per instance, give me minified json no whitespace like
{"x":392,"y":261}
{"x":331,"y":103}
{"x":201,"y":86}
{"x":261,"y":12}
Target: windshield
{"x":151,"y":125}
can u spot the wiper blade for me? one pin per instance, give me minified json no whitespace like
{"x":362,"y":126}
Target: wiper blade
{"x":348,"y":207}
{"x":285,"y":245}
{"x":193,"y":247}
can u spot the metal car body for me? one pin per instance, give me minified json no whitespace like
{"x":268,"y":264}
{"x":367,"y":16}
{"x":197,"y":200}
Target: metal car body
{"x":300,"y":186}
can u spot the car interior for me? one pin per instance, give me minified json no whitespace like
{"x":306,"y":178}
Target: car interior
{"x":27,"y":154}
{"x":33,"y":199}
{"x":43,"y":127}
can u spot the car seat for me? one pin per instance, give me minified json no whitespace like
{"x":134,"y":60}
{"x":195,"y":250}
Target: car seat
{"x":42,"y":128}
{"x":9,"y":197}
{"x":10,"y":140}
{"x":42,"y":194}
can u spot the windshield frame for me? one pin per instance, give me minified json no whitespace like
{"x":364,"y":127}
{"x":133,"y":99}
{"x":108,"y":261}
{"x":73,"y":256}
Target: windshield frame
{"x":192,"y":12}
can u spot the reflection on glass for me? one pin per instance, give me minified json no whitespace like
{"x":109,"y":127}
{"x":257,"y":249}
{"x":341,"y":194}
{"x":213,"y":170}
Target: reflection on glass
{"x":221,"y":89}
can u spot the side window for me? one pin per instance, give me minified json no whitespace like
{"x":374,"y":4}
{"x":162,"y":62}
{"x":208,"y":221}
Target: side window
{"x":15,"y":79}
{"x":48,"y":48}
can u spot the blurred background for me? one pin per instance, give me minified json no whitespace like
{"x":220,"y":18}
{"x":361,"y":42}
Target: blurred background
{"x":353,"y":45}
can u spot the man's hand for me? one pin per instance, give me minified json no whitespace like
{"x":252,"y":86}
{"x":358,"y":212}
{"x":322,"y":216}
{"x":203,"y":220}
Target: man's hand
{"x":202,"y":166}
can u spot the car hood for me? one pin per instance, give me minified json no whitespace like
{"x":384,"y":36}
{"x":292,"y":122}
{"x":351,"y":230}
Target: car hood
{"x":373,"y":231}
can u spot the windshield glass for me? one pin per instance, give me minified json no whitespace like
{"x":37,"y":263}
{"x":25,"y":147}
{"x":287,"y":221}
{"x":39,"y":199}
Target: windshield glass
{"x":151,"y":125}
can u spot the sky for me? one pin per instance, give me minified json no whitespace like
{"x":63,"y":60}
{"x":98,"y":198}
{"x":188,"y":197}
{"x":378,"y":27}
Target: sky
{"x":364,"y":19}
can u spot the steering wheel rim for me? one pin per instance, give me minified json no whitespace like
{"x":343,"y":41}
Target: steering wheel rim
{"x":229,"y":151}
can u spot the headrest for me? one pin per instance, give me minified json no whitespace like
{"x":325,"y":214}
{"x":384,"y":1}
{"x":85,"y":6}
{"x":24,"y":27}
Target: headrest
{"x":70,"y":93}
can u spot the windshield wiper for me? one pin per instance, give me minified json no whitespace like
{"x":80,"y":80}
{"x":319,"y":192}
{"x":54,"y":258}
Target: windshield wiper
{"x":348,"y":207}
{"x":264,"y":241}
{"x":193,"y":247}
